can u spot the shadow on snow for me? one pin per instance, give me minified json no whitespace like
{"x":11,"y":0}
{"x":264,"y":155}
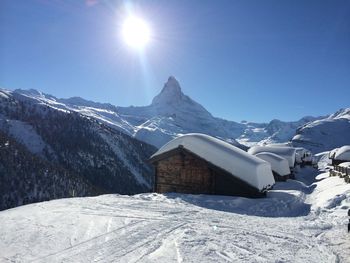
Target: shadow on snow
{"x":276,"y":204}
{"x":287,"y":199}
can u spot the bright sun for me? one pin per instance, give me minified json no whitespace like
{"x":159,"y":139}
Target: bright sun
{"x":136,"y":32}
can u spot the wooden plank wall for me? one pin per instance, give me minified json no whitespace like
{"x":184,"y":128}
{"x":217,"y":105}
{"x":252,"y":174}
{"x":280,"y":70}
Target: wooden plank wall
{"x":184,"y":173}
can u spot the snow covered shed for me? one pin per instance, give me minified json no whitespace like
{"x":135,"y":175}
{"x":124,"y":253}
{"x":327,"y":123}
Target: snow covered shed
{"x":287,"y":153}
{"x":200,"y":164}
{"x":345,"y":164}
{"x":332,"y":153}
{"x":281,"y":144}
{"x":279,"y":165}
{"x":303,"y":156}
{"x":340,"y":155}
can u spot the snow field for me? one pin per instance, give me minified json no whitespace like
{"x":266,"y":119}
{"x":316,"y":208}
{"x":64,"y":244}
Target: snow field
{"x":299,"y":221}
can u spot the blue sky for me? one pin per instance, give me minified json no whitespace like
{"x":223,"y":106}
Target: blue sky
{"x":242,"y":60}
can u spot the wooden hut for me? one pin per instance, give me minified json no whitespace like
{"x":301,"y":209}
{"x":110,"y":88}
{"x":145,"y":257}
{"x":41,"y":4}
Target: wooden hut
{"x":279,"y":165}
{"x":200,"y":164}
{"x":303,"y":156}
{"x":286,"y":152}
{"x":340,"y":155}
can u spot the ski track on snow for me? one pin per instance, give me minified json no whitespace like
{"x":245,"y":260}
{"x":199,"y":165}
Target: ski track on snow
{"x":179,"y":228}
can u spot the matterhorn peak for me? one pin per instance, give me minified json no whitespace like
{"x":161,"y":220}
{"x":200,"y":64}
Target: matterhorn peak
{"x":172,"y":81}
{"x":170,"y":93}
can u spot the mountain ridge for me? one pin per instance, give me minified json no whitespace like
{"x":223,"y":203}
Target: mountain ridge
{"x":55,"y":152}
{"x":172,"y":113}
{"x":326,"y":133}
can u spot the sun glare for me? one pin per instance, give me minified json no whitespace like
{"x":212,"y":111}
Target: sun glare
{"x":136,"y":32}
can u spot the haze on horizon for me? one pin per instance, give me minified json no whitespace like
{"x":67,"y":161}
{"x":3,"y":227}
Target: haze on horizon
{"x":242,"y":60}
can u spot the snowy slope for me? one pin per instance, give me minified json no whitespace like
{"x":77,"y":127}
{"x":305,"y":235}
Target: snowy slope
{"x":325,"y":134}
{"x":24,"y":133}
{"x":50,"y":147}
{"x":103,"y":112}
{"x":297,"y":222}
{"x":275,"y":131}
{"x":26,"y":177}
{"x":172,"y":113}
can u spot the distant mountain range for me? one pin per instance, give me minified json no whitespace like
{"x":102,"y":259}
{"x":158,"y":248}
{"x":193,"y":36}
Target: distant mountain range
{"x":172,"y":113}
{"x":104,"y":149}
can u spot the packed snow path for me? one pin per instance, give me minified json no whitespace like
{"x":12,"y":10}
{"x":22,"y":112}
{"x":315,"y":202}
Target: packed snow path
{"x":297,"y":222}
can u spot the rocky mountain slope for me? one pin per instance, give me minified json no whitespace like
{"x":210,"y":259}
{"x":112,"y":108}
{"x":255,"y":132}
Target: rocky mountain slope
{"x":27,"y":178}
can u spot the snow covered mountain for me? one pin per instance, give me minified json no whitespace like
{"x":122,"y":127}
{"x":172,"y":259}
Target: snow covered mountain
{"x":273,"y":132}
{"x":171,"y":114}
{"x":325,"y":134}
{"x":27,"y":178}
{"x":94,"y":141}
{"x":51,"y":152}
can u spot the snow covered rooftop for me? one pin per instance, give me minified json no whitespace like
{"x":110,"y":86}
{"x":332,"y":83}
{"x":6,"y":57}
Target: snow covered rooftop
{"x":343,"y":153}
{"x":282,"y":144}
{"x":286,"y":152}
{"x":332,"y":153}
{"x":302,"y":150}
{"x":278,"y":164}
{"x":302,"y":154}
{"x":235,"y":161}
{"x":345,"y":164}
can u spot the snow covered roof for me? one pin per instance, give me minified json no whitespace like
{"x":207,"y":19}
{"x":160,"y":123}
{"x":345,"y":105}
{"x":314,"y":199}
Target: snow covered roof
{"x":235,"y":161}
{"x":278,"y":164}
{"x":302,"y":154}
{"x":286,"y":152}
{"x":332,"y":153}
{"x":282,"y":144}
{"x":301,"y":150}
{"x":343,"y":153}
{"x":346,"y":164}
